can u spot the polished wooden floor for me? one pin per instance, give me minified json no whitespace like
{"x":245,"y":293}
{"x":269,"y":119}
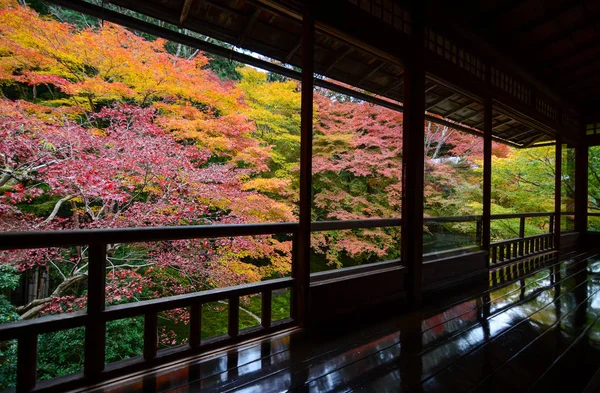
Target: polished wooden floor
{"x":534,"y":330}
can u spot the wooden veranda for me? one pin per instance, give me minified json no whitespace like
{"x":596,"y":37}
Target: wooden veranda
{"x":524,"y":73}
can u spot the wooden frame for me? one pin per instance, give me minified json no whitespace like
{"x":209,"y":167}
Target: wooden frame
{"x":460,"y":70}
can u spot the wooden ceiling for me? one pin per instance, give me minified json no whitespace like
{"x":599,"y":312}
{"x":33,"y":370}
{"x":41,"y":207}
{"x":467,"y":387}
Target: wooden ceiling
{"x":273,"y":29}
{"x":558,"y":41}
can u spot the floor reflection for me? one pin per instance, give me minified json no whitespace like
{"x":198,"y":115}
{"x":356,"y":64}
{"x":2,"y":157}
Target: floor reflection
{"x":521,"y":333}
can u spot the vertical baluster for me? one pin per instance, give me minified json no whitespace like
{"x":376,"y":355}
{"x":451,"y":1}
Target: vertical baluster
{"x":195,"y":325}
{"x":234,"y":316}
{"x":27,"y":362}
{"x":521,"y":235}
{"x":501,"y":256}
{"x":515,"y":247}
{"x":493,"y":251}
{"x":150,"y":335}
{"x":266,"y":308}
{"x":95,"y":329}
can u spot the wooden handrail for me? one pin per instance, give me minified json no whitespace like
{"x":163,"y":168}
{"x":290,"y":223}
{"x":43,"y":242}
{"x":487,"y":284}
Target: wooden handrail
{"x":43,"y":239}
{"x":96,"y":316}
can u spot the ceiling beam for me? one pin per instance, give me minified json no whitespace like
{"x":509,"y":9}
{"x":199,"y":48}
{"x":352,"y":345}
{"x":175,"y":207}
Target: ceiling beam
{"x":248,"y":26}
{"x":370,"y":73}
{"x":540,"y":47}
{"x":391,"y":86}
{"x":338,"y":59}
{"x":461,"y":107}
{"x":547,"y":16}
{"x":185,"y":11}
{"x":440,"y":101}
{"x":293,"y":50}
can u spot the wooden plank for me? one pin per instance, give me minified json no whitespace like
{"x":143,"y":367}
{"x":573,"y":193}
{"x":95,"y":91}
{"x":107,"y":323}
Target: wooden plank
{"x":301,"y":268}
{"x":150,"y":335}
{"x":27,"y":350}
{"x":95,"y":329}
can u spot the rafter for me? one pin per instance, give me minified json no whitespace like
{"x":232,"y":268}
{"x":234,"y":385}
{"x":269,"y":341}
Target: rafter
{"x":392,"y":86}
{"x":293,"y":50}
{"x":248,"y":26}
{"x":440,"y":101}
{"x":338,"y":59}
{"x":533,"y":140}
{"x":370,"y":73}
{"x":461,"y":107}
{"x":546,"y":17}
{"x":541,"y":46}
{"x":185,"y":11}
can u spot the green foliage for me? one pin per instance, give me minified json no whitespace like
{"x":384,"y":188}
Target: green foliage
{"x":61,"y":353}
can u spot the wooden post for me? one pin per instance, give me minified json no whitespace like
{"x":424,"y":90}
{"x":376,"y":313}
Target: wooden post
{"x":233,"y":326}
{"x":195,"y":325}
{"x":301,"y":268}
{"x":95,"y":329}
{"x":265,"y":317}
{"x":27,"y":363}
{"x":150,"y":335}
{"x":522,"y":236}
{"x":557,"y":191}
{"x":581,"y":187}
{"x":487,"y":169}
{"x":413,"y":160}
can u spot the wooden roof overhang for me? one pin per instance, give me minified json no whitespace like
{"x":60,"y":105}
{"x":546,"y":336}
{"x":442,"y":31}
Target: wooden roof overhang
{"x":362,"y":43}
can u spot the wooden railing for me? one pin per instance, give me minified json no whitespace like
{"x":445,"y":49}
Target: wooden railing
{"x":95,"y":318}
{"x":97,"y":314}
{"x":506,"y":251}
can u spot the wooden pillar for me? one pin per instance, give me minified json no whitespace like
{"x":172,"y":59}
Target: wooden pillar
{"x":301,"y":268}
{"x":581,"y":188}
{"x":557,"y":191}
{"x":95,"y":329}
{"x":413,"y":160}
{"x":487,"y":170}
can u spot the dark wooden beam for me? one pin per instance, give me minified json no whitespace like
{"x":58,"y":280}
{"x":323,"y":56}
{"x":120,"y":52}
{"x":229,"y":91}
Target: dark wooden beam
{"x":557,"y":191}
{"x":248,"y":26}
{"x":95,"y":329}
{"x":540,"y":47}
{"x":293,"y":50}
{"x":487,"y":176}
{"x":454,"y":111}
{"x":581,"y":186}
{"x":392,"y":86}
{"x":185,"y":11}
{"x":440,"y":101}
{"x":370,"y":73}
{"x":533,"y":140}
{"x":553,"y":65}
{"x":302,"y":261}
{"x":338,"y":59}
{"x":413,"y":148}
{"x":546,"y":17}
